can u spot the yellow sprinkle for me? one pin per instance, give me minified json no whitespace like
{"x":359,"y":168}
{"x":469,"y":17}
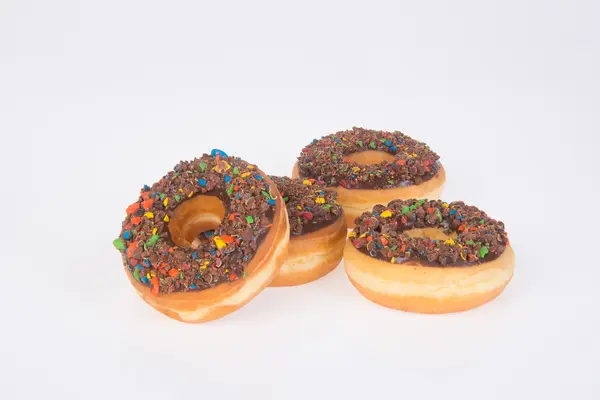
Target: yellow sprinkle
{"x":363,"y":235}
{"x":219,"y":242}
{"x":445,"y":205}
{"x":306,"y":182}
{"x":154,"y":231}
{"x":320,"y":200}
{"x":148,"y":275}
{"x":203,"y":267}
{"x":206,"y":262}
{"x":393,"y":260}
{"x":222,"y":166}
{"x":344,"y":138}
{"x":299,"y":207}
{"x":450,"y":242}
{"x":149,"y":214}
{"x":191,"y":194}
{"x":352,"y":234}
{"x":152,"y":274}
{"x":414,"y":155}
{"x":181,"y":190}
{"x":166,"y":202}
{"x":461,"y":256}
{"x":386,"y":214}
{"x":250,"y":166}
{"x":355,"y":169}
{"x":245,"y":174}
{"x":166,"y":218}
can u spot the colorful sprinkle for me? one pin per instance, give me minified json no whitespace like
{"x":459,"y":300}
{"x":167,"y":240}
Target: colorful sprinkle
{"x":217,"y":152}
{"x":119,"y":244}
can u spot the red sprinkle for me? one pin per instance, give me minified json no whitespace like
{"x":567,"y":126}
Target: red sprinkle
{"x":133,"y":208}
{"x":307,"y":215}
{"x":147,"y":204}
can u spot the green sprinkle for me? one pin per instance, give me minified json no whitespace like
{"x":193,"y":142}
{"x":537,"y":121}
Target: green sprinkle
{"x":249,"y":219}
{"x":483,"y":251}
{"x":177,"y":197}
{"x":470,"y":242}
{"x":236,"y":170}
{"x":136,"y":273}
{"x":162,"y":196}
{"x":119,"y":244}
{"x":180,"y":275}
{"x":203,"y":166}
{"x":286,"y":199}
{"x":420,"y":202}
{"x":372,"y":144}
{"x":327,"y":206}
{"x":482,"y":221}
{"x":394,"y":247}
{"x":244,"y":274}
{"x":230,"y":190}
{"x":439,"y":214}
{"x":383,"y":140}
{"x":360,"y":143}
{"x":405,"y":210}
{"x":152,"y":241}
{"x":391,"y":181}
{"x":413,"y":207}
{"x":267,"y":195}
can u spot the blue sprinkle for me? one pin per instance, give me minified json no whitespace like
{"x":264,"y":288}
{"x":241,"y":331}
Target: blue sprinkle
{"x":198,"y":276}
{"x":460,"y":217}
{"x":144,"y":279}
{"x":421,"y":253}
{"x":192,"y":286}
{"x":376,"y":214}
{"x":314,"y":140}
{"x":213,"y":252}
{"x":147,"y":262}
{"x":146,"y":188}
{"x":245,"y":257}
{"x":271,"y":202}
{"x":258,"y":177}
{"x":154,"y":194}
{"x":208,"y":234}
{"x":202,"y":182}
{"x":238,"y":196}
{"x":388,"y":143}
{"x":452,"y":212}
{"x":378,"y":245}
{"x":214,"y":153}
{"x":393,"y":148}
{"x":195,"y":255}
{"x":127,"y":235}
{"x":227,"y":178}
{"x":139,"y":266}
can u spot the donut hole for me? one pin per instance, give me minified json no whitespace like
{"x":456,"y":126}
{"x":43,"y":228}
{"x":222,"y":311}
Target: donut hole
{"x":194,"y":216}
{"x":431,"y":233}
{"x":370,"y":157}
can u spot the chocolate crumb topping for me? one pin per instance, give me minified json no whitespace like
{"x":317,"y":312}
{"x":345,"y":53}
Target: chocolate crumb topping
{"x":474,"y":239}
{"x":324,"y":160}
{"x":216,"y":256}
{"x":309,"y":205}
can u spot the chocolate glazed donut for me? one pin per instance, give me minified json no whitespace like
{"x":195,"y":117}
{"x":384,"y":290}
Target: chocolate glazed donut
{"x":205,"y":239}
{"x":428,"y":256}
{"x":317,"y":231}
{"x":367,"y":167}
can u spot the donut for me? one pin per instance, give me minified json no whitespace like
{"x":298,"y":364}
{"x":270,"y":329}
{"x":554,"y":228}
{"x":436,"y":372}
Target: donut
{"x":317,"y":231}
{"x":205,"y":239}
{"x":428,"y":256}
{"x":367,"y":167}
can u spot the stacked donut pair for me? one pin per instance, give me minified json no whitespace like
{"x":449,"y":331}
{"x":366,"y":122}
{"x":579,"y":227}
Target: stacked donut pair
{"x":215,"y":231}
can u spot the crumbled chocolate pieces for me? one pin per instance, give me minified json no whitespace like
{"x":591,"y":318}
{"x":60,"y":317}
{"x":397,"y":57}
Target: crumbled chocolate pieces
{"x":216,"y":256}
{"x":474,"y":238}
{"x":324,"y":160}
{"x":309,"y":205}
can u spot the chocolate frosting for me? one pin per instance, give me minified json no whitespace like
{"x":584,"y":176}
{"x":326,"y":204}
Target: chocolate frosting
{"x":309,"y":205}
{"x":152,"y":257}
{"x":475,"y":237}
{"x":324,"y":160}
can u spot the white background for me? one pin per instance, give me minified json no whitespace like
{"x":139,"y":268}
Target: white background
{"x":98,"y":98}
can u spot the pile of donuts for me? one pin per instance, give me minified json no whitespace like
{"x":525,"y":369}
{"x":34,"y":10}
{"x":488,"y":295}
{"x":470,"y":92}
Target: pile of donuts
{"x":215,"y":231}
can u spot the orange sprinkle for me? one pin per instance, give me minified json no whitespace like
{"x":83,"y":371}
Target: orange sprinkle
{"x":145,"y":195}
{"x":430,"y":210}
{"x":131,"y":249}
{"x":461,"y":228}
{"x":232,"y":216}
{"x":401,"y":162}
{"x":227,"y":238}
{"x":174,"y":273}
{"x":136,"y":220}
{"x":147,"y":204}
{"x":232,"y":277}
{"x":403,"y":249}
{"x":369,"y":238}
{"x":133,"y":208}
{"x":384,"y":241}
{"x":154,"y":290}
